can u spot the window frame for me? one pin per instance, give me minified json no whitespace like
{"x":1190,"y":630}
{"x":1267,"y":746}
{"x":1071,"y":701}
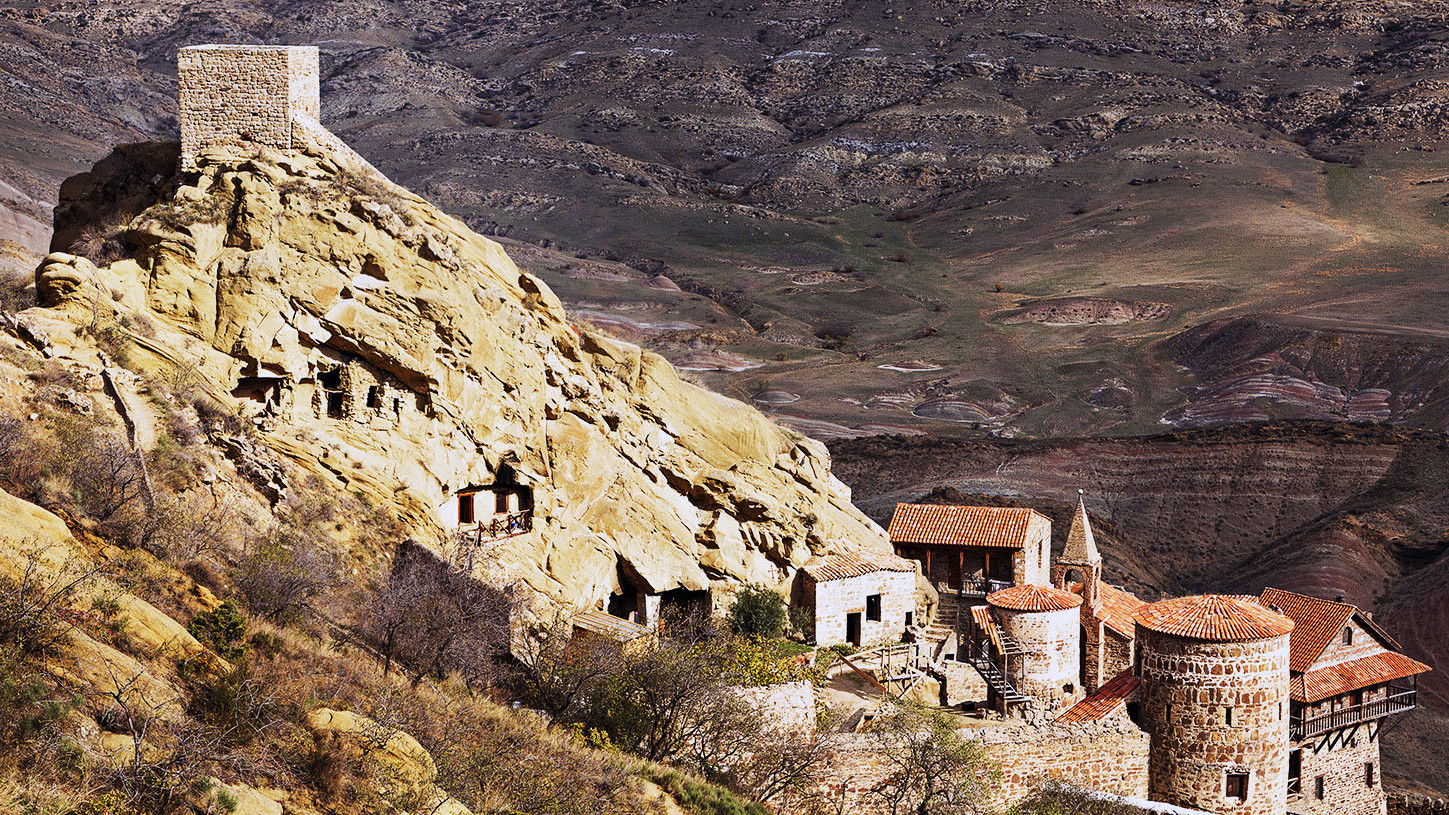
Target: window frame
{"x":1238,"y":779}
{"x":874,"y":604}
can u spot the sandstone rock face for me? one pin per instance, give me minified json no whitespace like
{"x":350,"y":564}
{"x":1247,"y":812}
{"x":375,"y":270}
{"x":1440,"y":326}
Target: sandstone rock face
{"x":381,"y":344}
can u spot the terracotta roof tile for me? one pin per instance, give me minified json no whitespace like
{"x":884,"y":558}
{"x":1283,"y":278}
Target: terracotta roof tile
{"x":1118,"y":606}
{"x":1315,"y":623}
{"x":1363,"y":672}
{"x":981,"y":615}
{"x":1004,"y":527}
{"x":1033,"y":598}
{"x":856,"y":562}
{"x":1108,"y":699}
{"x":1213,"y":618}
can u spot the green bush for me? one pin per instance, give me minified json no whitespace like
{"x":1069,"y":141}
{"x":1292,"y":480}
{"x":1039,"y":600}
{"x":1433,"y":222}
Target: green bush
{"x":758,"y":612}
{"x":222,"y":630}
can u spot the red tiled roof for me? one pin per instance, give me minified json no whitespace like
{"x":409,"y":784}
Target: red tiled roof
{"x":1315,"y":623}
{"x":1033,"y":598}
{"x":939,"y":525}
{"x":1118,"y":606}
{"x":855,"y":562}
{"x":981,"y":615}
{"x":1321,"y":683}
{"x":1213,"y":618}
{"x":1108,"y":699}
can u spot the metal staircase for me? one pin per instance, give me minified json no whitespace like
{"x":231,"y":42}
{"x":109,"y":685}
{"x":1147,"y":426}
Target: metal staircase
{"x":981,"y":660}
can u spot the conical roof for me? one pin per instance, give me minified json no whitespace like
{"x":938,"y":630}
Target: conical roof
{"x":1214,"y":618}
{"x":1033,"y":598}
{"x":1081,"y":545}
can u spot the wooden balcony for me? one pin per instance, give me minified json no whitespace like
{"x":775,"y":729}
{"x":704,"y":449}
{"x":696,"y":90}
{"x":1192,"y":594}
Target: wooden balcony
{"x":1399,"y":700}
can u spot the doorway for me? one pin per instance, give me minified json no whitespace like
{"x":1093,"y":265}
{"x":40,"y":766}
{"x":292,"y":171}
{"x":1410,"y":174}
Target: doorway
{"x":852,"y":628}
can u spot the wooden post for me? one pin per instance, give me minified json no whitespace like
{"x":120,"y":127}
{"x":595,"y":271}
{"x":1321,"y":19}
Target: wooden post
{"x":928,"y":563}
{"x":960,"y":567}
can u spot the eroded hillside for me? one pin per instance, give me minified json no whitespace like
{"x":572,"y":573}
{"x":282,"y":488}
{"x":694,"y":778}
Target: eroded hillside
{"x":381,"y":345}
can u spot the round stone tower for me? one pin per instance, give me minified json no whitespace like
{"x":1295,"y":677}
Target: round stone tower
{"x":1214,"y":695}
{"x":1045,"y":625}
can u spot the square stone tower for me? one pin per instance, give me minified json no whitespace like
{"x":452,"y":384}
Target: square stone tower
{"x":237,"y":95}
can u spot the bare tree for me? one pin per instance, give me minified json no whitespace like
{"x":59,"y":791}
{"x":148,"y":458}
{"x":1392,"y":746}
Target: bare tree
{"x":108,"y":478}
{"x":171,"y":757}
{"x":36,"y":607}
{"x":932,"y":770}
{"x":284,"y":571}
{"x":556,"y":672}
{"x":438,"y":620}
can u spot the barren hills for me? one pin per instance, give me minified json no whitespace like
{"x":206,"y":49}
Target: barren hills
{"x":876,"y":220}
{"x":906,"y":215}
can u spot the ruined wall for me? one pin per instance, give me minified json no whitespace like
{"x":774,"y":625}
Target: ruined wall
{"x":788,"y":708}
{"x":1048,"y":671}
{"x":1215,"y":709}
{"x":1339,"y":758}
{"x":1111,"y":756}
{"x":1403,"y":803}
{"x":835,"y":599}
{"x":234,"y":96}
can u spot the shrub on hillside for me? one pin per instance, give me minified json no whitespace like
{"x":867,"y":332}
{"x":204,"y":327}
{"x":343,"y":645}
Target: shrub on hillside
{"x":222,"y":629}
{"x":283,"y":572}
{"x":758,"y":612}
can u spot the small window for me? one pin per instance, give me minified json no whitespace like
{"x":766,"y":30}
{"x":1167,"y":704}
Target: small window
{"x":334,"y":404}
{"x":872,"y":607}
{"x":374,"y":401}
{"x":1318,"y":788}
{"x":1069,"y":688}
{"x":465,"y":508}
{"x":1368,"y":773}
{"x":500,"y":502}
{"x":397,"y":406}
{"x":1228,"y":716}
{"x":331,"y":380}
{"x":1238,"y":786}
{"x":1347,"y":636}
{"x":910,"y":618}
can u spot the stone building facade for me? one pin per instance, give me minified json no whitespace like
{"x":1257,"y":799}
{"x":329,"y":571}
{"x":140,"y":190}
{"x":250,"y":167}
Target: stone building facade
{"x":1347,"y":680}
{"x":1214,"y":694}
{"x":860,"y":597}
{"x":241,"y":95}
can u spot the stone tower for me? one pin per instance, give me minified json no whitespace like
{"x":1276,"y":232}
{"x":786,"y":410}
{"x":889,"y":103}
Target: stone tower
{"x":1214,"y":674}
{"x":236,"y":95}
{"x":1044,"y":622}
{"x":1081,"y":563}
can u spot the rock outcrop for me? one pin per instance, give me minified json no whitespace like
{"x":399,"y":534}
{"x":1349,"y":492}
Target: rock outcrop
{"x":380,"y":343}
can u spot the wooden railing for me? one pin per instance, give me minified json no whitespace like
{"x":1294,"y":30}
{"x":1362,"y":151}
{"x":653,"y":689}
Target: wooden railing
{"x":1399,"y":700}
{"x":503,"y":526}
{"x":983,"y":585}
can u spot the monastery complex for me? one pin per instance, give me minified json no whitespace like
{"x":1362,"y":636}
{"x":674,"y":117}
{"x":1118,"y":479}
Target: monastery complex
{"x":1237,"y":705}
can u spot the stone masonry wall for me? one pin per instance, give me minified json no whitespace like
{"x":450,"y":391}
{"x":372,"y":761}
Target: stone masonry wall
{"x":1216,"y":709}
{"x":787,"y":708}
{"x":235,"y":96}
{"x":1048,"y":671}
{"x":1339,"y":758}
{"x":1402,"y":803}
{"x":1111,"y":756}
{"x":834,"y":599}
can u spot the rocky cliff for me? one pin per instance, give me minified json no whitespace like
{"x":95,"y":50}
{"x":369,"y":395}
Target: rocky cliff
{"x":376,"y":342}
